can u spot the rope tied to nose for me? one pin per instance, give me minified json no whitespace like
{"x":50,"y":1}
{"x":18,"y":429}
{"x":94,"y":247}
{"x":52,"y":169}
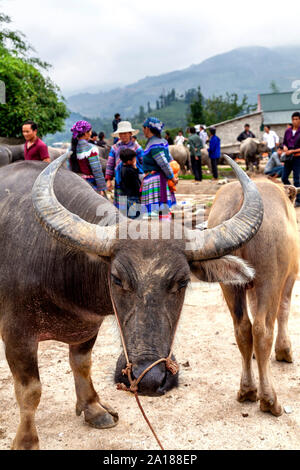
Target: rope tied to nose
{"x":171,"y":365}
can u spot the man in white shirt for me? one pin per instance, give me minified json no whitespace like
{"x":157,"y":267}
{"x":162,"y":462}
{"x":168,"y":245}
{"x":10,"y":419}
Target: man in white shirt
{"x":203,"y":136}
{"x":271,"y":139}
{"x":179,"y":139}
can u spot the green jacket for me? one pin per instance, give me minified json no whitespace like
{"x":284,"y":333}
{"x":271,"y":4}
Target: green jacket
{"x":195,"y":144}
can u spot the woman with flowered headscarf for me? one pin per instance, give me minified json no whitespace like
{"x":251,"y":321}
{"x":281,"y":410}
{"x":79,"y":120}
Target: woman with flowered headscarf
{"x":156,"y":196}
{"x":85,"y":157}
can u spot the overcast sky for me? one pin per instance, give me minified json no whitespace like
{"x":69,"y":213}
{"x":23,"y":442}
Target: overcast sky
{"x":94,"y":42}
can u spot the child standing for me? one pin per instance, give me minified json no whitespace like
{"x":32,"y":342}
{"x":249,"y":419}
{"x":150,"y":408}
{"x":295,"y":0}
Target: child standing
{"x":128,"y":177}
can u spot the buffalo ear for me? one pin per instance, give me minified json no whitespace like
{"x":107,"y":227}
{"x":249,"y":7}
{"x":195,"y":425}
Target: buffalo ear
{"x":227,"y":270}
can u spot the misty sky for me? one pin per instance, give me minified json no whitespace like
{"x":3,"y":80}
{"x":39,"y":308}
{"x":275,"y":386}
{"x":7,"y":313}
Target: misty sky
{"x":94,"y":42}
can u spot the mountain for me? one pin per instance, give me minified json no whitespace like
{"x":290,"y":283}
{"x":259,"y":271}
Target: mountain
{"x":246,"y":70}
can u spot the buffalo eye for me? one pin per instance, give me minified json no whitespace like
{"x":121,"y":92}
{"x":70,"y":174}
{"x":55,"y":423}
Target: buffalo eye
{"x":176,"y":286}
{"x":116,"y":280}
{"x":182,"y":284}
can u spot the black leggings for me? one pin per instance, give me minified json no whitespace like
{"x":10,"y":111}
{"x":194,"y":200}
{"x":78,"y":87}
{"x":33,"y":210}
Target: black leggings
{"x":214,"y":167}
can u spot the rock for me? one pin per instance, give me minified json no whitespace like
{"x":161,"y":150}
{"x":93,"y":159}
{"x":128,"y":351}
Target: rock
{"x":186,"y":364}
{"x":288,"y":410}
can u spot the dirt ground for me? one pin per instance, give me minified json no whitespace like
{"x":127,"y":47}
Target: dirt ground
{"x":202,"y":413}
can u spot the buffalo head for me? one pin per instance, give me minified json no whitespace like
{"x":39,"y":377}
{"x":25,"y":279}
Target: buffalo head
{"x":149,"y":268}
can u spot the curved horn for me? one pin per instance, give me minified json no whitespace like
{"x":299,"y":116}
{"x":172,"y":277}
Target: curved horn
{"x":233,"y":233}
{"x":62,"y":224}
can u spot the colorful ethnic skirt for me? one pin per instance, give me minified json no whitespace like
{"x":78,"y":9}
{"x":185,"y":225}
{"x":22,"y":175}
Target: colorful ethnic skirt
{"x":156,"y":195}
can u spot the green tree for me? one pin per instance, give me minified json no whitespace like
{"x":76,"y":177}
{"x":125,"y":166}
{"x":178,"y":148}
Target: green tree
{"x":142,"y":114}
{"x":196,"y":111}
{"x":29,"y":95}
{"x":219,"y":108}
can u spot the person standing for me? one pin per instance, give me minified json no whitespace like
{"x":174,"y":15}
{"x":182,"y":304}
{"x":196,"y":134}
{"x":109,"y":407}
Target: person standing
{"x":123,"y":135}
{"x":128,"y":177}
{"x":169,"y":138}
{"x":214,"y":152}
{"x":245,"y":134}
{"x":94,"y":138}
{"x":85,"y":157}
{"x":156,"y":196}
{"x":180,"y":139}
{"x":101,"y":142}
{"x":203,"y":135}
{"x":291,"y":147}
{"x":196,"y":145}
{"x":271,"y":139}
{"x":35,"y":148}
{"x":115,"y":124}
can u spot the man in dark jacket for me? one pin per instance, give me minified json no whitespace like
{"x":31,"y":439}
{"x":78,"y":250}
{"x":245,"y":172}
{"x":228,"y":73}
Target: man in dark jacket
{"x":214,"y":152}
{"x":196,"y":145}
{"x":245,"y":134}
{"x":115,"y":125}
{"x":291,"y":147}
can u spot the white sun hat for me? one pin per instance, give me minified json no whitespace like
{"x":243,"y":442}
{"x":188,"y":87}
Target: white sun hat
{"x":124,"y":126}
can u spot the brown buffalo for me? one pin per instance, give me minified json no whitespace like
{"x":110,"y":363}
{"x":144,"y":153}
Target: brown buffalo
{"x":274,"y":254}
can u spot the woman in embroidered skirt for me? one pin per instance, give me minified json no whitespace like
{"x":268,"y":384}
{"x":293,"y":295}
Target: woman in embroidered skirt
{"x":85,"y":157}
{"x":157,"y":198}
{"x":124,"y":133}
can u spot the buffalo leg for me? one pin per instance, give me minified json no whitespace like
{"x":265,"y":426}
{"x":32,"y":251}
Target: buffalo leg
{"x":283,"y":349}
{"x":96,"y":414}
{"x":263,"y":331}
{"x":22,"y":360}
{"x":236,"y":301}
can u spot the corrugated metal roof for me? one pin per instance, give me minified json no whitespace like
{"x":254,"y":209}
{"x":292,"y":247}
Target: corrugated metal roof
{"x":277,"y":117}
{"x":279,"y":101}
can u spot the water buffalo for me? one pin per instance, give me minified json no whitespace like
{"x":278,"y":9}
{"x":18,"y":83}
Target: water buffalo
{"x":274,"y":254}
{"x":251,"y":150}
{"x":205,"y":160}
{"x":181,"y":155}
{"x":11,"y":153}
{"x":61,"y":245}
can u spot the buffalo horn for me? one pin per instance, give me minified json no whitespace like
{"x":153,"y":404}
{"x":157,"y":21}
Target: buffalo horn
{"x":233,"y":233}
{"x":65,"y":226}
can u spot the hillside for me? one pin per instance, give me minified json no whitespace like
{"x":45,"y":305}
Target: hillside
{"x":247,"y":70}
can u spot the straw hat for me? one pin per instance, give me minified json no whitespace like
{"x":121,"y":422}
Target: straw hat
{"x":124,"y":126}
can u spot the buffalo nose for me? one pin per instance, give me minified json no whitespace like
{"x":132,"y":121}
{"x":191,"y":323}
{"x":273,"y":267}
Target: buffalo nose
{"x":154,"y":381}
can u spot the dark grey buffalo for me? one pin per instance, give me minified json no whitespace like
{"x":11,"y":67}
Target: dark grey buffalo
{"x":11,"y":153}
{"x":60,"y":248}
{"x":251,"y":150}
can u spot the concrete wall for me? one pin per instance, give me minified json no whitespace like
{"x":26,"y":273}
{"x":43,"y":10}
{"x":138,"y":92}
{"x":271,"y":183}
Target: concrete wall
{"x":228,"y":131}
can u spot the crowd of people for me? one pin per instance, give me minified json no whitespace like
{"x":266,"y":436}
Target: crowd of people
{"x":284,"y":157}
{"x":196,"y":141}
{"x":145,"y":179}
